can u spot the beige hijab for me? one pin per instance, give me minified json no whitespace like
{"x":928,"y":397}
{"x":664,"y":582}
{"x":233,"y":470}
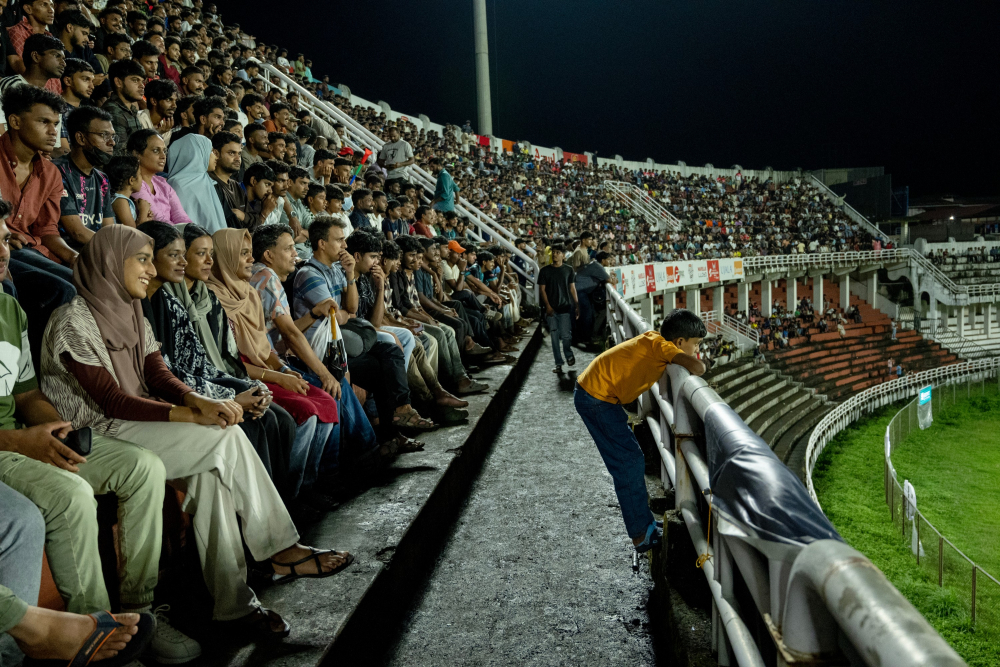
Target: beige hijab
{"x":99,"y":276}
{"x":240,"y":301}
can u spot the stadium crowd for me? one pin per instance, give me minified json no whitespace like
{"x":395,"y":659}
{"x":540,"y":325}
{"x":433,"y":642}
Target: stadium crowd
{"x":206,"y":283}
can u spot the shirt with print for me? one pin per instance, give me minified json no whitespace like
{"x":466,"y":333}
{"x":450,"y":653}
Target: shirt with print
{"x":88,"y":196}
{"x":399,"y":151}
{"x":17,"y":375}
{"x":273,"y":300}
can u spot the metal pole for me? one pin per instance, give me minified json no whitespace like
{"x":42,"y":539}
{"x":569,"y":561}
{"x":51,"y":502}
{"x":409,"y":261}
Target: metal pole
{"x":974,"y":568}
{"x":482,"y":68}
{"x":940,"y":562}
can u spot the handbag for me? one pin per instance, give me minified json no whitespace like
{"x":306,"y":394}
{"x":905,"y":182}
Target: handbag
{"x":359,"y":336}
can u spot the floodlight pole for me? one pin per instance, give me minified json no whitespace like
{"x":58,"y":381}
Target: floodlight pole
{"x":482,"y":68}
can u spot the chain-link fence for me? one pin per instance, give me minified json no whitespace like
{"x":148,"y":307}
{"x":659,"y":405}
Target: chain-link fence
{"x":976,"y":591}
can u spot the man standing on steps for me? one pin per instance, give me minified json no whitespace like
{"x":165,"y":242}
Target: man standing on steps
{"x":558,"y":292}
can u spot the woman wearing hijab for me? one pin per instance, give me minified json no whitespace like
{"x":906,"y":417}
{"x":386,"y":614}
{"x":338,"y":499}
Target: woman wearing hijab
{"x":148,"y":146}
{"x":270,"y":428}
{"x":102,"y":368}
{"x":229,"y":281}
{"x":188,"y":164}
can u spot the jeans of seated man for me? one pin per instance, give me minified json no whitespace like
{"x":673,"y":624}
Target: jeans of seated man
{"x":42,"y":286}
{"x":22,"y":537}
{"x":354,"y":437}
{"x":382,"y":373}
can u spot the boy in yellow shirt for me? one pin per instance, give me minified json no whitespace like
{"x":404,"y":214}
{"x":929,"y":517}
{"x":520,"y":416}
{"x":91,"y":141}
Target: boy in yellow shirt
{"x":620,"y":376}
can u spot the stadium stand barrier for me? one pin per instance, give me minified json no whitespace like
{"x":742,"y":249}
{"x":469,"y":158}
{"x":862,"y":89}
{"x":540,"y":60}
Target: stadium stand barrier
{"x":486,"y":226}
{"x":757,"y":529}
{"x":975,"y":588}
{"x":875,"y":397}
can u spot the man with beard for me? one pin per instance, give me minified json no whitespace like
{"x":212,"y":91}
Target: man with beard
{"x":226,"y":147}
{"x":253,"y":106}
{"x":189,"y":53}
{"x":363,"y":206}
{"x":74,"y":32}
{"x":43,"y":60}
{"x":86,"y":199}
{"x":78,"y":87}
{"x":192,"y":80}
{"x":276,"y":145}
{"x":256,"y":149}
{"x":161,"y":104}
{"x":209,"y":117}
{"x":128,"y":80}
{"x":282,"y":213}
{"x":38,"y":16}
{"x":147,"y":55}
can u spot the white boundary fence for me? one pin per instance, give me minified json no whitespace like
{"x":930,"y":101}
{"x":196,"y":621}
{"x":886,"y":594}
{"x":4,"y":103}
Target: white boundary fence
{"x":977,"y":591}
{"x":796,"y":613}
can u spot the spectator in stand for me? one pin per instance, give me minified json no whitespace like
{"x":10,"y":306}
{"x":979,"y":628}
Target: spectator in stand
{"x":209,"y":116}
{"x":188,"y":164}
{"x":306,"y":137}
{"x":86,"y":200}
{"x":163,"y":201}
{"x":226,"y":157}
{"x":446,"y":190}
{"x":282,"y":213}
{"x":125,"y":180}
{"x":256,"y":148}
{"x":38,"y":15}
{"x":323,"y":165}
{"x":279,"y":120}
{"x":424,"y":222}
{"x":363,"y":206}
{"x":74,"y":32}
{"x":253,"y":106}
{"x":78,"y":87}
{"x":562,"y":306}
{"x":395,"y":155}
{"x":392,"y":227}
{"x":128,"y":81}
{"x":148,"y":57}
{"x":307,"y":341}
{"x":136,"y":22}
{"x":259,"y":184}
{"x":161,"y":105}
{"x":103,"y":366}
{"x":192,"y":81}
{"x":581,"y":256}
{"x":44,"y":61}
{"x":170,"y":59}
{"x":406,"y":299}
{"x":40,"y":258}
{"x":276,"y":146}
{"x":269,"y":427}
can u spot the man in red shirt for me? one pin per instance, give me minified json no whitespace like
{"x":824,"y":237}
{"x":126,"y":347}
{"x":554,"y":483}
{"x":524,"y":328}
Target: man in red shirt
{"x":34,"y":187}
{"x":38,"y":15}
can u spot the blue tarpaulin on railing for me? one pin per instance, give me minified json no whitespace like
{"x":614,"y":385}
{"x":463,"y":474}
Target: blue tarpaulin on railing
{"x":754,"y":488}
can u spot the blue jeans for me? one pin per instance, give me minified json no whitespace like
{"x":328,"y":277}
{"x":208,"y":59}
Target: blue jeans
{"x":561,"y":328}
{"x":608,"y":426}
{"x":22,"y":536}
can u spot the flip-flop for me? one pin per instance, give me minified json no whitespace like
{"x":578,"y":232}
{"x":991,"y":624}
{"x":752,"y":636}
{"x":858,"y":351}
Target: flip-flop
{"x":105,"y":626}
{"x":473,"y":388}
{"x":314,"y":556}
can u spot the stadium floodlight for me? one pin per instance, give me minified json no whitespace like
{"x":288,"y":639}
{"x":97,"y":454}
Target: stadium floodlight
{"x":482,"y":68}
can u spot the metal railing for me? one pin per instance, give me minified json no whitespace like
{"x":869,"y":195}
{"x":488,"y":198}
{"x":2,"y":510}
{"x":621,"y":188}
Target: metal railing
{"x":976,"y":590}
{"x":643,"y":203}
{"x":796,"y":613}
{"x":851,"y":212}
{"x":362,"y":136}
{"x":740,"y":333}
{"x":960,"y":345}
{"x":863,"y":403}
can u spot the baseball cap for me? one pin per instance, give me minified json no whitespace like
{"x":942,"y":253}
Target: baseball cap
{"x":454,"y":246}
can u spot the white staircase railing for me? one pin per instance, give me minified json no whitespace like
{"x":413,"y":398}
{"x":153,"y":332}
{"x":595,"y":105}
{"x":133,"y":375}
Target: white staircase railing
{"x":851,"y":212}
{"x":729,"y":327}
{"x":485,"y":225}
{"x":644,"y":204}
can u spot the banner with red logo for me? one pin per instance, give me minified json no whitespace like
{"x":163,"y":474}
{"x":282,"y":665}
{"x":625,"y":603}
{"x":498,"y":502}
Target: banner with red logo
{"x":574,"y":157}
{"x":650,"y":278}
{"x":636,"y":279}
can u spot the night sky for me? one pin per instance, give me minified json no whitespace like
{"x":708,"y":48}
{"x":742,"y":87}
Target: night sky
{"x":911,"y":86}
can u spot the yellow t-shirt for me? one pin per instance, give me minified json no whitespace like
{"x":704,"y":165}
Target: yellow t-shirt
{"x":622,"y":373}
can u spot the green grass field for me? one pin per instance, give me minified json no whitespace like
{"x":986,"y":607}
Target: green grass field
{"x":954,"y":467}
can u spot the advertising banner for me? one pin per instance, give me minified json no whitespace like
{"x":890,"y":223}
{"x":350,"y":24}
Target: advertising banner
{"x":650,"y":278}
{"x":636,"y":279}
{"x":924,"y":405}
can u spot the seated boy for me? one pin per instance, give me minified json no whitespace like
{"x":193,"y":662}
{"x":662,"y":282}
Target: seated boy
{"x":617,"y":377}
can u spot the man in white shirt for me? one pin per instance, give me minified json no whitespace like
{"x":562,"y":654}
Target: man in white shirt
{"x":396,"y":155}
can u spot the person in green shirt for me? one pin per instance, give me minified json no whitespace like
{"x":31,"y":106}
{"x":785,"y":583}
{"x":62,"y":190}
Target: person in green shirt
{"x":62,"y":484}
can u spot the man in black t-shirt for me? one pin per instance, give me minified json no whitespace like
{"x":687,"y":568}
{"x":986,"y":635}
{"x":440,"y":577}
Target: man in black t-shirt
{"x":87,"y":195}
{"x":558,"y":292}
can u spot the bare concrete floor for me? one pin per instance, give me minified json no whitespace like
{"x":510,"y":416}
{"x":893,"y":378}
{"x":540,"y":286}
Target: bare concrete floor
{"x":538,"y":569}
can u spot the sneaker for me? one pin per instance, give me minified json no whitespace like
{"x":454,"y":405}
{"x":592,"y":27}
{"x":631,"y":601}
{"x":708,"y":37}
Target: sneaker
{"x":557,"y":369}
{"x":170,"y":646}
